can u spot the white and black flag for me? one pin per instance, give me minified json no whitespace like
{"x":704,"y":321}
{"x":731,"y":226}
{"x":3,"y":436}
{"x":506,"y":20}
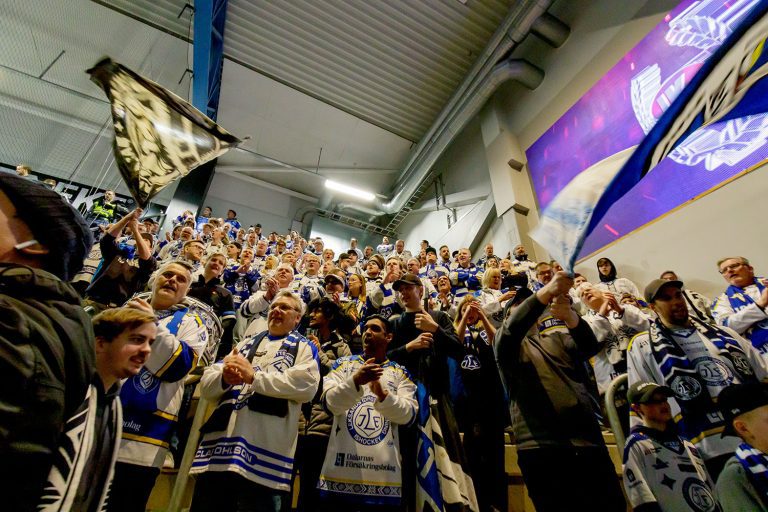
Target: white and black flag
{"x":159,"y":137}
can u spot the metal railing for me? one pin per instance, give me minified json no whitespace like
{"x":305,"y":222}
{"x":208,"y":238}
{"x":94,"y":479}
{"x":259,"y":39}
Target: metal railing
{"x":614,"y":420}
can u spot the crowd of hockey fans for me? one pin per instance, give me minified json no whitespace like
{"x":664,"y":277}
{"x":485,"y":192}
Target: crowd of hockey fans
{"x":313,"y":359}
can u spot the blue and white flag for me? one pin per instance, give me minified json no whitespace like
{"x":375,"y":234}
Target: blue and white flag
{"x":728,"y":86}
{"x":442,"y":482}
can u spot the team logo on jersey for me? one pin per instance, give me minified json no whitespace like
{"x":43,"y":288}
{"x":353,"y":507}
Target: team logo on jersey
{"x":282,"y":360}
{"x":741,"y":364}
{"x":146,"y":383}
{"x":470,"y":362}
{"x":685,"y":387}
{"x":714,"y":371}
{"x":365,"y":424}
{"x":698,"y":496}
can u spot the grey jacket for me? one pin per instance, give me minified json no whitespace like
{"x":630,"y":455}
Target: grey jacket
{"x":320,"y":422}
{"x":734,"y":490}
{"x":542,"y":364}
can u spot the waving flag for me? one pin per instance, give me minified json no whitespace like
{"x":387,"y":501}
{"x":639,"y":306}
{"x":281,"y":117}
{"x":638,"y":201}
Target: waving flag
{"x":442,"y":482}
{"x":729,"y":87}
{"x":159,"y":137}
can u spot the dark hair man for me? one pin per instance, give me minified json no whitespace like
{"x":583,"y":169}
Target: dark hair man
{"x":367,"y":386}
{"x":698,"y":305}
{"x":203,"y":218}
{"x":125,"y":269}
{"x":46,"y":339}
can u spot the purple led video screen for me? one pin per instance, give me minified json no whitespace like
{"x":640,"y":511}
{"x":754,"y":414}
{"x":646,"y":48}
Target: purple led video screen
{"x":617,"y":112}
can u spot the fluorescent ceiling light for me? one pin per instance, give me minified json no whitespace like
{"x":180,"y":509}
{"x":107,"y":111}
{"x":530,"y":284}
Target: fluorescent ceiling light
{"x":352,"y":191}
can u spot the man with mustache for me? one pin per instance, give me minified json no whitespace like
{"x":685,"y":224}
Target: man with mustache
{"x":152,"y":399}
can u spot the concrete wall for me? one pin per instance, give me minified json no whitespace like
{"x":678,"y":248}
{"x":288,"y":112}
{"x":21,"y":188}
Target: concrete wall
{"x":467,"y":185}
{"x":336,"y":236}
{"x":253,"y":204}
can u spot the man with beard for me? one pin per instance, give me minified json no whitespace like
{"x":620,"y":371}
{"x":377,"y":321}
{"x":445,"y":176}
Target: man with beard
{"x":696,"y":361}
{"x":522,"y":265}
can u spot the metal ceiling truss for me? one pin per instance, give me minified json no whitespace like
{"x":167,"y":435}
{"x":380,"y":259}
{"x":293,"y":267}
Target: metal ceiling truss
{"x":355,"y":223}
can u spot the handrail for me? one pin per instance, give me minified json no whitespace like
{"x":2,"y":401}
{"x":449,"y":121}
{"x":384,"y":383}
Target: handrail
{"x":182,"y":477}
{"x":613,"y":414}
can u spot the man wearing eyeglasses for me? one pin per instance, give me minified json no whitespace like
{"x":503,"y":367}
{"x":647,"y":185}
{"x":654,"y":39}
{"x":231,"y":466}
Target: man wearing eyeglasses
{"x":245,"y":459}
{"x":743,"y":305}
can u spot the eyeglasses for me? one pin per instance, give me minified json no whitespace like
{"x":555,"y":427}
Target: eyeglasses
{"x":732,"y":266}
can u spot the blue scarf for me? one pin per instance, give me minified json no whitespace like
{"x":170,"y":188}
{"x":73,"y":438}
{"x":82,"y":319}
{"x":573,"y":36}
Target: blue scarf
{"x":755,"y":464}
{"x":698,"y":410}
{"x":758,"y":333}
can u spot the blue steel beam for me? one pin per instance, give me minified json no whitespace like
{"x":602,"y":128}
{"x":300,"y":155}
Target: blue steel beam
{"x":208,"y":54}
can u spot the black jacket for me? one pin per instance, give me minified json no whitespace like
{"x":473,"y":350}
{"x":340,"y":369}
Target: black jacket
{"x":47,"y":361}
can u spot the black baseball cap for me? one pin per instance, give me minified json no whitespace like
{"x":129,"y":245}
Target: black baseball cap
{"x":642,"y":392}
{"x":407,"y":279}
{"x":337,"y":275}
{"x":430,"y":249}
{"x":656,"y":285}
{"x":738,"y":399}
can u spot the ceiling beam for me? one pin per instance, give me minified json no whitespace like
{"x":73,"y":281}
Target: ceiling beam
{"x":266,"y":184}
{"x":320,"y":172}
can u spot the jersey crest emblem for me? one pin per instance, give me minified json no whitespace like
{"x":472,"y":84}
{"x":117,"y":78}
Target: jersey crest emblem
{"x":365,"y":424}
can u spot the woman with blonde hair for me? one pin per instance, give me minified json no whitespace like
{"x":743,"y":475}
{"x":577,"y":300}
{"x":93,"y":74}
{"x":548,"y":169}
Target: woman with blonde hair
{"x":492,"y":297}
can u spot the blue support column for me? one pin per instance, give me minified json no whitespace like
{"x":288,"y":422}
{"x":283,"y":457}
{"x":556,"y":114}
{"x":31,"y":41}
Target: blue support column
{"x":207,"y":64}
{"x":208,"y":57}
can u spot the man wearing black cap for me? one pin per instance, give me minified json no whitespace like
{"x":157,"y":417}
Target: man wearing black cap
{"x":696,"y":361}
{"x":47,"y":358}
{"x":541,"y":350}
{"x":421,"y":341}
{"x":432,"y":270}
{"x":743,"y":483}
{"x":663,"y":471}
